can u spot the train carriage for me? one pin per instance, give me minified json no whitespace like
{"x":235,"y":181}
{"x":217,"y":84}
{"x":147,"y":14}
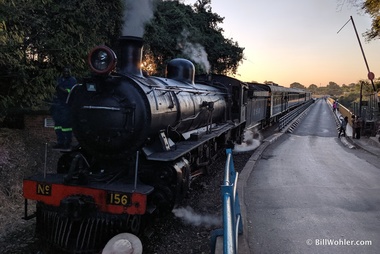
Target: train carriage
{"x":257,"y":105}
{"x":296,"y":97}
{"x":282,"y":99}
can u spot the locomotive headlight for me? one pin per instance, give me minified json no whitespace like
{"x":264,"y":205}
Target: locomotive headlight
{"x":102,"y":60}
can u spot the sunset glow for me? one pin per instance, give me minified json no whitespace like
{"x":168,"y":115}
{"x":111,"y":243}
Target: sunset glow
{"x":297,"y":41}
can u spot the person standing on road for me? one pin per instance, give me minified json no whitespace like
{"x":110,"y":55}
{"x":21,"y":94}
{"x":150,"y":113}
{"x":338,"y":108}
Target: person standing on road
{"x":343,"y":126}
{"x":358,"y":127}
{"x":61,"y":111}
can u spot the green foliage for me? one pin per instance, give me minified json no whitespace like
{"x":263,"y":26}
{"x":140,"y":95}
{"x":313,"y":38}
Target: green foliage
{"x":372,"y":7}
{"x":297,"y":85}
{"x":334,"y":89}
{"x":176,"y":28}
{"x":347,"y":94}
{"x":39,"y":37}
{"x":348,"y":99}
{"x":313,"y":88}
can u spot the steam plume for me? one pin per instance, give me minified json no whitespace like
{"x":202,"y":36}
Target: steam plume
{"x":136,"y":14}
{"x":195,"y":52}
{"x":190,"y":217}
{"x":252,"y":139}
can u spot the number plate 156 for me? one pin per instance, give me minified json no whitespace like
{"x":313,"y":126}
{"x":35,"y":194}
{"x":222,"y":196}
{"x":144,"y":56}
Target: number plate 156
{"x":114,"y":198}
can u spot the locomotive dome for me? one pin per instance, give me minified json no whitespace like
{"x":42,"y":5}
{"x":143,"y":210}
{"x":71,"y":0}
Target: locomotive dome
{"x":181,"y":69}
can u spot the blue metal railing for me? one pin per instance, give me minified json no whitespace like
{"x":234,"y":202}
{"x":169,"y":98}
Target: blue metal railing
{"x":232,"y":221}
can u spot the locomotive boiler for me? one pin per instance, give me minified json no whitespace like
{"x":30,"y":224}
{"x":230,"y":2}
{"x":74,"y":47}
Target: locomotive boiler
{"x":119,"y":114}
{"x":142,"y":140}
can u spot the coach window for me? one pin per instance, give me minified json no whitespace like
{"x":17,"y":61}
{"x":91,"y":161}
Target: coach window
{"x":245,"y":96}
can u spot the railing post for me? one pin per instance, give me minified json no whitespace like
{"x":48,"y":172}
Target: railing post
{"x":232,"y":222}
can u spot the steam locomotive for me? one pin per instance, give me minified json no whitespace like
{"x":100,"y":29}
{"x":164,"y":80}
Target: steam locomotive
{"x":142,"y":140}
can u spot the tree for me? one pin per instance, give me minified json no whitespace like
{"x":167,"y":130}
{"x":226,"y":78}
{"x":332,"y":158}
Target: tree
{"x":334,"y":89}
{"x":372,"y":8}
{"x":39,"y":37}
{"x":313,"y":88}
{"x":297,"y":85}
{"x":179,"y":30}
{"x":224,"y":54}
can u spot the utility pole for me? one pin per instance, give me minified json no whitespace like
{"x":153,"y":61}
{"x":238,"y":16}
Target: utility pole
{"x":361,"y":98}
{"x":370,"y":75}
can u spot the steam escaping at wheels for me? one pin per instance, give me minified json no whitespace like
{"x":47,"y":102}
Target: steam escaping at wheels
{"x":251,"y":140}
{"x":189,"y":216}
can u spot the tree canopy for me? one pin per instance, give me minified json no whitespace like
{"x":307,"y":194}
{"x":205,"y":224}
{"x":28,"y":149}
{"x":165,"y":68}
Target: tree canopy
{"x":179,"y":30}
{"x":372,"y":8}
{"x":40,"y":37}
{"x":297,"y":85}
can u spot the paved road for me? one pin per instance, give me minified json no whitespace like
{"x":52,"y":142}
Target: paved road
{"x":310,"y":194}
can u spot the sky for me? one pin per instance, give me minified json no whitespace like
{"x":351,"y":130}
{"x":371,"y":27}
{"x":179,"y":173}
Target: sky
{"x":289,"y":41}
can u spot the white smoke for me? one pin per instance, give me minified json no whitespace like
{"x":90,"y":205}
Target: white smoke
{"x":195,"y":52}
{"x":251,"y":140}
{"x":136,"y":14}
{"x":190,"y":217}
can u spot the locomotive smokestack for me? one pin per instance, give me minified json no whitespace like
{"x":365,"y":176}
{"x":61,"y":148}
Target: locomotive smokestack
{"x":131,"y":55}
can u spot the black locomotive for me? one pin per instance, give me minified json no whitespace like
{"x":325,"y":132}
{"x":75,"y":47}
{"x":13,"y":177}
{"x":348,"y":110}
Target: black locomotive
{"x":142,"y":140}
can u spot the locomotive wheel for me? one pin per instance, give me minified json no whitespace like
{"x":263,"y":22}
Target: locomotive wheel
{"x":135,"y":224}
{"x":163,"y":199}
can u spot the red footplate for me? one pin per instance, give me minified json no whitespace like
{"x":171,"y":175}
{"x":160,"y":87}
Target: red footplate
{"x":114,"y":201}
